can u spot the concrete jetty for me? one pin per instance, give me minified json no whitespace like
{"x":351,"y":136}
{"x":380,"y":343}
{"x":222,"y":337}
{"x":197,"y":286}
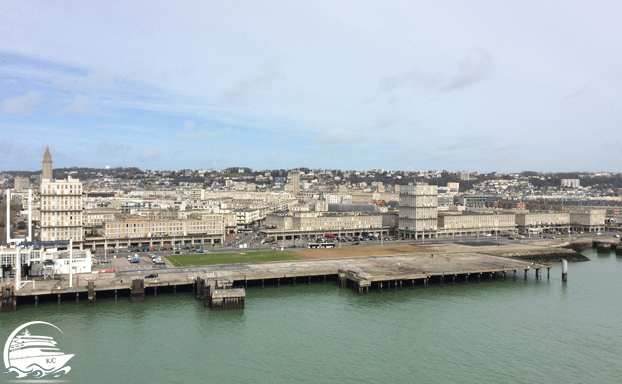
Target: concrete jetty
{"x":221,"y":285}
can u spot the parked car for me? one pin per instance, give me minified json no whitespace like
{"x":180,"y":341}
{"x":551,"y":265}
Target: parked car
{"x":151,"y":276}
{"x":105,"y":261}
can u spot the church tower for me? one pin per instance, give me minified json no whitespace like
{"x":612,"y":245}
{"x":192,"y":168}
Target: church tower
{"x":47,"y":165}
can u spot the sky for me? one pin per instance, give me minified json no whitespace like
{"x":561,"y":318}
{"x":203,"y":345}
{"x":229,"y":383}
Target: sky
{"x":356,"y":85}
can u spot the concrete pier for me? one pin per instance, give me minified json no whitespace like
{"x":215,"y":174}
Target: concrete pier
{"x":360,"y":273}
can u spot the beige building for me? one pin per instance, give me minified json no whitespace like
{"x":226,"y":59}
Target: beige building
{"x":542,"y":222}
{"x":128,"y":230}
{"x":95,"y":218}
{"x":61,"y":210}
{"x":587,"y":220}
{"x":294,"y":177}
{"x":294,"y":225}
{"x":21,"y":183}
{"x":469,"y":225}
{"x":418,"y":211}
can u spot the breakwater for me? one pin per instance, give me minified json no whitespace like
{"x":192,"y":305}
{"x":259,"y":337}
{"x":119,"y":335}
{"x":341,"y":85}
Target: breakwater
{"x":545,"y":256}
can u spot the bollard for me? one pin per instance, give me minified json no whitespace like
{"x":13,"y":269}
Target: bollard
{"x":564,"y":270}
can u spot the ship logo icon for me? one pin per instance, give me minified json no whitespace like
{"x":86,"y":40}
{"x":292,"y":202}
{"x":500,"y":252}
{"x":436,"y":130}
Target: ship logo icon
{"x":29,"y":355}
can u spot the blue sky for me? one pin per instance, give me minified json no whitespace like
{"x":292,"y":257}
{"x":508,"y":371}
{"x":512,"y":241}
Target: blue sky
{"x":403,"y":85}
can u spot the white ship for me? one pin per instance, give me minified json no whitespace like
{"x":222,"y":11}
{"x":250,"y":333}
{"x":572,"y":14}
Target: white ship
{"x":27,"y":351}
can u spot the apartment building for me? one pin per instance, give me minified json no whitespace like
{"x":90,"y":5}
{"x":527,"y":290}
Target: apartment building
{"x":538,"y":222}
{"x":588,"y":220}
{"x":466,"y":225}
{"x":61,"y":210}
{"x":418,"y":211}
{"x":294,"y":225}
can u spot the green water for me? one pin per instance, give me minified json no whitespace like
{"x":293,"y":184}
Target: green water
{"x":514,"y":331}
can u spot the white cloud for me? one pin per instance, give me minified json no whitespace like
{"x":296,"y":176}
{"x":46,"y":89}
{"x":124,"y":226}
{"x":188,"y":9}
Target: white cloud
{"x":192,"y":133}
{"x":21,"y":105}
{"x":149,"y":155}
{"x":268,"y":75}
{"x":475,"y":67}
{"x":339,"y":135}
{"x":80,"y":106}
{"x":111,"y":147}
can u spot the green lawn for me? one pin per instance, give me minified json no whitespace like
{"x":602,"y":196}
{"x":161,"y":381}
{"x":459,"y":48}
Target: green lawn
{"x":229,"y":258}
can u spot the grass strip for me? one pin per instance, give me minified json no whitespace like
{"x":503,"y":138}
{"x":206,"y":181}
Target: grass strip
{"x":230,"y":258}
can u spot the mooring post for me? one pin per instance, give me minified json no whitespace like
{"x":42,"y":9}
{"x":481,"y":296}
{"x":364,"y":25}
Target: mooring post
{"x":412,"y":282}
{"x":466,"y":277}
{"x":490,"y":275}
{"x":155,"y":291}
{"x":324,"y":279}
{"x":309,"y":280}
{"x":514,"y":275}
{"x":36,"y":301}
{"x":59,"y":299}
{"x":395,"y":285}
{"x":548,"y":273}
{"x":442,"y":279}
{"x":526,"y":270}
{"x":401,"y":285}
{"x":479,"y":275}
{"x":115,"y":294}
{"x":453,"y":280}
{"x":174,"y":290}
{"x":278,"y":282}
{"x":425,"y":282}
{"x":262,"y":286}
{"x":564,"y":270}
{"x":380,"y":287}
{"x":503,"y":275}
{"x":367,"y":290}
{"x":77,"y":298}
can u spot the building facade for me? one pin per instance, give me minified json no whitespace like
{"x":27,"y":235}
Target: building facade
{"x":61,"y":210}
{"x":469,"y":225}
{"x":418,"y":211}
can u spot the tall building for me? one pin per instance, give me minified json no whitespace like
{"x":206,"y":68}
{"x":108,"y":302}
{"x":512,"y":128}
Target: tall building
{"x":571,"y":183}
{"x":418,"y":211}
{"x":21,"y":183}
{"x":294,"y":177}
{"x":47,"y":165}
{"x":321,"y":205}
{"x":61,"y":210}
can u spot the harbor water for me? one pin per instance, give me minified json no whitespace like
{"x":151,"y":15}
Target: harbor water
{"x":521,"y":331}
